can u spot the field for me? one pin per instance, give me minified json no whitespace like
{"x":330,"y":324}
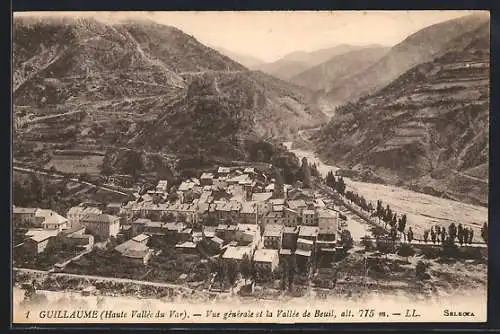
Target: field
{"x":90,"y":164}
{"x":424,"y":211}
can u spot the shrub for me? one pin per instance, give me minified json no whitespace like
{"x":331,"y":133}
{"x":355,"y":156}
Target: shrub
{"x":421,"y":270}
{"x":406,"y":250}
{"x":385,"y":246}
{"x":367,"y":243}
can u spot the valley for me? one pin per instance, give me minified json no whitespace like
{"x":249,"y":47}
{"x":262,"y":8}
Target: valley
{"x":149,"y":167}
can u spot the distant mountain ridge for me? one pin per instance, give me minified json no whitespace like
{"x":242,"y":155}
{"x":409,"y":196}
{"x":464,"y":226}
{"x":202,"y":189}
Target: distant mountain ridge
{"x":340,"y":67}
{"x":297,"y":62}
{"x":420,"y":47}
{"x":248,"y":61}
{"x":429,"y":128}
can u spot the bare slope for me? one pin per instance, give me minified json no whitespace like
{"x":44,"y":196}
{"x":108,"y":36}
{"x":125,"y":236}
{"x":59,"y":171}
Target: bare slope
{"x":141,"y":85}
{"x":338,"y":68}
{"x":295,"y":63}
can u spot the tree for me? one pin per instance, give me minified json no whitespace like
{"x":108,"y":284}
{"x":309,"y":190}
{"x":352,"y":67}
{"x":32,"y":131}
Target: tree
{"x":330,"y":179}
{"x":221,"y":271}
{"x":410,"y":234}
{"x":394,"y":220}
{"x":379,"y":211}
{"x":306,"y":173}
{"x":278,"y":184}
{"x":388,"y":214}
{"x":232,"y":273}
{"x":484,"y":232}
{"x":421,"y":270}
{"x":471,"y":236}
{"x":460,"y":232}
{"x":426,"y":236}
{"x":246,"y":267}
{"x":340,"y":186}
{"x":433,"y":235}
{"x":452,"y":231}
{"x":284,"y":270}
{"x":346,"y":239}
{"x":402,"y":224}
{"x":443,"y":235}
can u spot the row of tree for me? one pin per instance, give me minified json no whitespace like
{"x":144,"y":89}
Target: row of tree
{"x":454,"y":233}
{"x":336,"y":184}
{"x":386,"y":214}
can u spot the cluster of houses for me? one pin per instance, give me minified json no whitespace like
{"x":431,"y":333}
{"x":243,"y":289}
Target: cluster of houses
{"x":232,"y":211}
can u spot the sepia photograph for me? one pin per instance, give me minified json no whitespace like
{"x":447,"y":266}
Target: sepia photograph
{"x":250,"y":167}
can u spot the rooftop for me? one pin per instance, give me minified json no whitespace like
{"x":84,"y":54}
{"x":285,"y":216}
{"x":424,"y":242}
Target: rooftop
{"x":291,"y":229}
{"x":261,"y":197}
{"x":217,"y":240}
{"x":174,"y":226}
{"x":236,"y":252}
{"x":273,"y":230}
{"x":207,"y":176}
{"x":114,"y":205}
{"x":309,"y":231}
{"x":248,"y":208}
{"x":51,"y":217}
{"x":72,"y":230}
{"x":132,"y":249}
{"x":265,"y":255}
{"x":305,"y":241}
{"x":278,"y":208}
{"x":277,"y":201}
{"x":284,"y":251}
{"x":141,"y":221}
{"x":186,"y":244}
{"x":297,"y":204}
{"x":309,"y":212}
{"x":224,"y":170}
{"x":40,"y":235}
{"x":303,"y":252}
{"x":141,"y":237}
{"x":274,"y":214}
{"x":251,"y":228}
{"x":326,"y":213}
{"x":154,"y":224}
{"x":18,"y":210}
{"x":100,"y":218}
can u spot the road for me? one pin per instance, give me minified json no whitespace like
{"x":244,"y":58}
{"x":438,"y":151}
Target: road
{"x":470,"y":177}
{"x":108,"y":279}
{"x":61,"y":176}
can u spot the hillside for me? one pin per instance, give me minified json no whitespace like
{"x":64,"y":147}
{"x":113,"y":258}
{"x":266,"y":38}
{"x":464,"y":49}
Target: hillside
{"x":295,"y":63}
{"x":428,"y":129}
{"x":420,"y":47}
{"x":84,"y":83}
{"x":225,"y":110}
{"x":338,"y":68}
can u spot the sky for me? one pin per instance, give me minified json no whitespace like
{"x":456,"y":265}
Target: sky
{"x":269,"y":36}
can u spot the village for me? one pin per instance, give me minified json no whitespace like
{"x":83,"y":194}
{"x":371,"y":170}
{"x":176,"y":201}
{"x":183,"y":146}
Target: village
{"x":235,"y":230}
{"x":233,"y":217}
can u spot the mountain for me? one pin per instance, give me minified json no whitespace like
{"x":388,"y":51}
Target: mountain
{"x":340,"y":67}
{"x":420,"y":47}
{"x":428,"y":129}
{"x":297,"y":62}
{"x":245,"y":60}
{"x":89,"y":83}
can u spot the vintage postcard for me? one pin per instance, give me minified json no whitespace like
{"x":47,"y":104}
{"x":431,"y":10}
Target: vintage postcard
{"x":250,"y":167}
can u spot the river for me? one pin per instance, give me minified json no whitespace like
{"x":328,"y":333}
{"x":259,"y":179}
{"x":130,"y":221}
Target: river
{"x":422,"y":210}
